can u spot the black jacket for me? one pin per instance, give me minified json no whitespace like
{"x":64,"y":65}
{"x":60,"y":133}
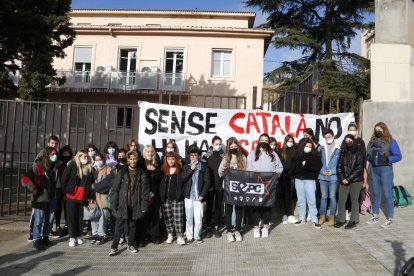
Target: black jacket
{"x":154,"y":177}
{"x":178,"y":193}
{"x":203,"y":180}
{"x":119,"y":194}
{"x":311,"y":169}
{"x":213,"y":163}
{"x":353,"y":170}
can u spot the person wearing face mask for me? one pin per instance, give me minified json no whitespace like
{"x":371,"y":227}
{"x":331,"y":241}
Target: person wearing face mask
{"x":152,"y":168}
{"x":306,"y":165}
{"x":382,"y":152}
{"x":77,"y":180}
{"x":99,"y":225}
{"x":111,"y":150}
{"x":172,"y":146}
{"x":92,"y":151}
{"x":350,"y":173}
{"x":263,"y":159}
{"x":41,"y":181}
{"x":234,"y":159}
{"x":273,"y":144}
{"x":215,"y":192}
{"x":287,"y":182}
{"x":328,"y":179}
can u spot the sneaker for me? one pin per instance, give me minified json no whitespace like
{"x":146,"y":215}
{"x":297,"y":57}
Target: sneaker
{"x":300,"y":222}
{"x":230,"y":237}
{"x":190,"y":241}
{"x":373,"y":220}
{"x":38,"y":244}
{"x":59,"y":231}
{"x":93,"y":239}
{"x":72,"y":242}
{"x":53,"y":234}
{"x":238,"y":236}
{"x":256,"y":232}
{"x":285,"y":219}
{"x":387,"y":224}
{"x":308,"y":218}
{"x":122,"y":241}
{"x":350,"y":225}
{"x":199,"y":241}
{"x":217,"y":233}
{"x":170,"y":238}
{"x":317,"y":225}
{"x":47,"y":242}
{"x":265,"y":232}
{"x":113,"y":252}
{"x":30,"y":238}
{"x":292,"y":219}
{"x":180,"y":241}
{"x":79,"y":241}
{"x":100,"y":240}
{"x":339,"y":224}
{"x":132,"y":249}
{"x":208,"y":233}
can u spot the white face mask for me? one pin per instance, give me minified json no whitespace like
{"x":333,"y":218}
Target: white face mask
{"x":289,"y":144}
{"x":353,"y":132}
{"x":329,"y":141}
{"x":217,"y":147}
{"x":149,"y":157}
{"x":272,"y":147}
{"x":84,"y":161}
{"x":170,"y":149}
{"x":91,"y":154}
{"x":307,"y":149}
{"x":111,"y":151}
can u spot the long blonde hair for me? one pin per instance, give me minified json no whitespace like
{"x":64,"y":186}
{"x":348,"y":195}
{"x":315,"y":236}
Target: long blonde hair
{"x":82,"y":169}
{"x":154,"y":158}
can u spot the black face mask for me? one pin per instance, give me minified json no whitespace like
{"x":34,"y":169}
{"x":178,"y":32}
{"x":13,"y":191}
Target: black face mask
{"x":378,"y":134}
{"x":263,"y":145}
{"x":65,"y":159}
{"x":233,"y":151}
{"x":349,"y":144}
{"x":122,"y":160}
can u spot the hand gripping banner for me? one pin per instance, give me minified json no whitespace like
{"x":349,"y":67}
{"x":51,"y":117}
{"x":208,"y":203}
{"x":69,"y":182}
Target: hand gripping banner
{"x":245,"y":188}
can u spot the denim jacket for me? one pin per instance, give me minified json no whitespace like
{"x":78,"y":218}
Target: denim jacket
{"x":331,"y":165}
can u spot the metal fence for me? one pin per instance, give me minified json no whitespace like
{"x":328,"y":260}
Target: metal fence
{"x":25,"y":127}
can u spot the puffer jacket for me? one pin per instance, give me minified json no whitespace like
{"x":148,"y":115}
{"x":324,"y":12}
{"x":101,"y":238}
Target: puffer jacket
{"x":119,"y":194}
{"x":353,"y":170}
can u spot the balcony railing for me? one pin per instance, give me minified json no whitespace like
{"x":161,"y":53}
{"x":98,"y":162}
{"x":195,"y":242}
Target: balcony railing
{"x":124,"y":80}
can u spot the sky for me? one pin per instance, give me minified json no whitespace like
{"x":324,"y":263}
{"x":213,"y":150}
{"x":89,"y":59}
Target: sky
{"x":273,"y":57}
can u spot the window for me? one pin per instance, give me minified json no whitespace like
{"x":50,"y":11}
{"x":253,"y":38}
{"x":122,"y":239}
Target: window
{"x":77,"y":117}
{"x":173,"y":78}
{"x":82,"y":66}
{"x":119,"y":118}
{"x":128,"y":66}
{"x":221,"y":63}
{"x":34,"y":115}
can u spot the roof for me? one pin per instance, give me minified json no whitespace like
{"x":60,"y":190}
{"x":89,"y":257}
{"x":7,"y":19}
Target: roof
{"x":250,"y":16}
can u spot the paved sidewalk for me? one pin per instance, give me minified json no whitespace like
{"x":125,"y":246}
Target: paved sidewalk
{"x":289,"y":250}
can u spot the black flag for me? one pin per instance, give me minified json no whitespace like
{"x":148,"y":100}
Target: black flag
{"x":245,"y":188}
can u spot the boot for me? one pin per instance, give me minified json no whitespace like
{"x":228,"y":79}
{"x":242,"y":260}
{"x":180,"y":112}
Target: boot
{"x":331,"y":221}
{"x":217,"y":233}
{"x":322,"y":219}
{"x":38,"y":244}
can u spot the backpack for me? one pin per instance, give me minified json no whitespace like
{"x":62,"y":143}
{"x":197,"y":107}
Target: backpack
{"x":401,"y":196}
{"x":365,"y":201}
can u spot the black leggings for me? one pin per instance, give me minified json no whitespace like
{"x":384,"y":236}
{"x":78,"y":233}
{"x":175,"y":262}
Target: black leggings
{"x":288,"y":190}
{"x":60,"y":201}
{"x":75,"y":218}
{"x":261,"y":213}
{"x":214,"y":201}
{"x":229,"y":212}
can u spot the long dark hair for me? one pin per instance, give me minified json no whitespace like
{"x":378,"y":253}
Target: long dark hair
{"x":300,"y":151}
{"x":269,"y":150}
{"x":310,"y":132}
{"x":241,"y":165}
{"x":112,"y":144}
{"x":45,"y":157}
{"x":387,"y":137}
{"x":285,"y":147}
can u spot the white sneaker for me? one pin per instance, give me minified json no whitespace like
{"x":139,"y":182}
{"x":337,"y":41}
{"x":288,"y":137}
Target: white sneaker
{"x":170,"y":238}
{"x":348,"y":215}
{"x":265,"y":232}
{"x":230,"y":237}
{"x":238,"y":236}
{"x":292,"y":219}
{"x":79,"y":241}
{"x":180,"y":241}
{"x":308,"y":218}
{"x":72,"y":242}
{"x":256,"y":232}
{"x":285,"y":219}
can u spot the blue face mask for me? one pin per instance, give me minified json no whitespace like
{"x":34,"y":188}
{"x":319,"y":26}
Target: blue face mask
{"x":91,"y":154}
{"x":99,"y":163}
{"x":111,"y":151}
{"x":53,"y":158}
{"x":307,"y":149}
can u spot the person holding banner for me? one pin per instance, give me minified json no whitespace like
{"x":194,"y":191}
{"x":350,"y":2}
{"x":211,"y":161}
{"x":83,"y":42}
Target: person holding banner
{"x":196,"y":179}
{"x":306,"y":165}
{"x":288,"y":184}
{"x":263,"y":159}
{"x":234,"y":159}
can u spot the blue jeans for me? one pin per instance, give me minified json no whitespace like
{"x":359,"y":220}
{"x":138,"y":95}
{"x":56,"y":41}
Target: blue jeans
{"x":328,"y":187}
{"x":382,"y":180}
{"x":43,"y":218}
{"x":306,"y":190}
{"x":99,"y":226}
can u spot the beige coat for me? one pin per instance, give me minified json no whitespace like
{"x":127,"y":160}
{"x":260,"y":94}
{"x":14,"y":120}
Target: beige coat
{"x":102,"y":199}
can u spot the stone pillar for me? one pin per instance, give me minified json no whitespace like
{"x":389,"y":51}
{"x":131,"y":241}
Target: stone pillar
{"x":392,"y":81}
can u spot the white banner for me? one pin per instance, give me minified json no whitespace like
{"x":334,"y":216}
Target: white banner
{"x":161,"y":123}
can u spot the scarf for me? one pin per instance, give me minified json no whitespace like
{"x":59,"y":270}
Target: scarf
{"x":132,"y":186}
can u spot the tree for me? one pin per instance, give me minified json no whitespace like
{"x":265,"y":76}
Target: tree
{"x":322,"y":29}
{"x":32,"y":33}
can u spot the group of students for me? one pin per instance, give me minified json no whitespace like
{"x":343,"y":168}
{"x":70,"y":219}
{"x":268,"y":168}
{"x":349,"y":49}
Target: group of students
{"x":135,"y":191}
